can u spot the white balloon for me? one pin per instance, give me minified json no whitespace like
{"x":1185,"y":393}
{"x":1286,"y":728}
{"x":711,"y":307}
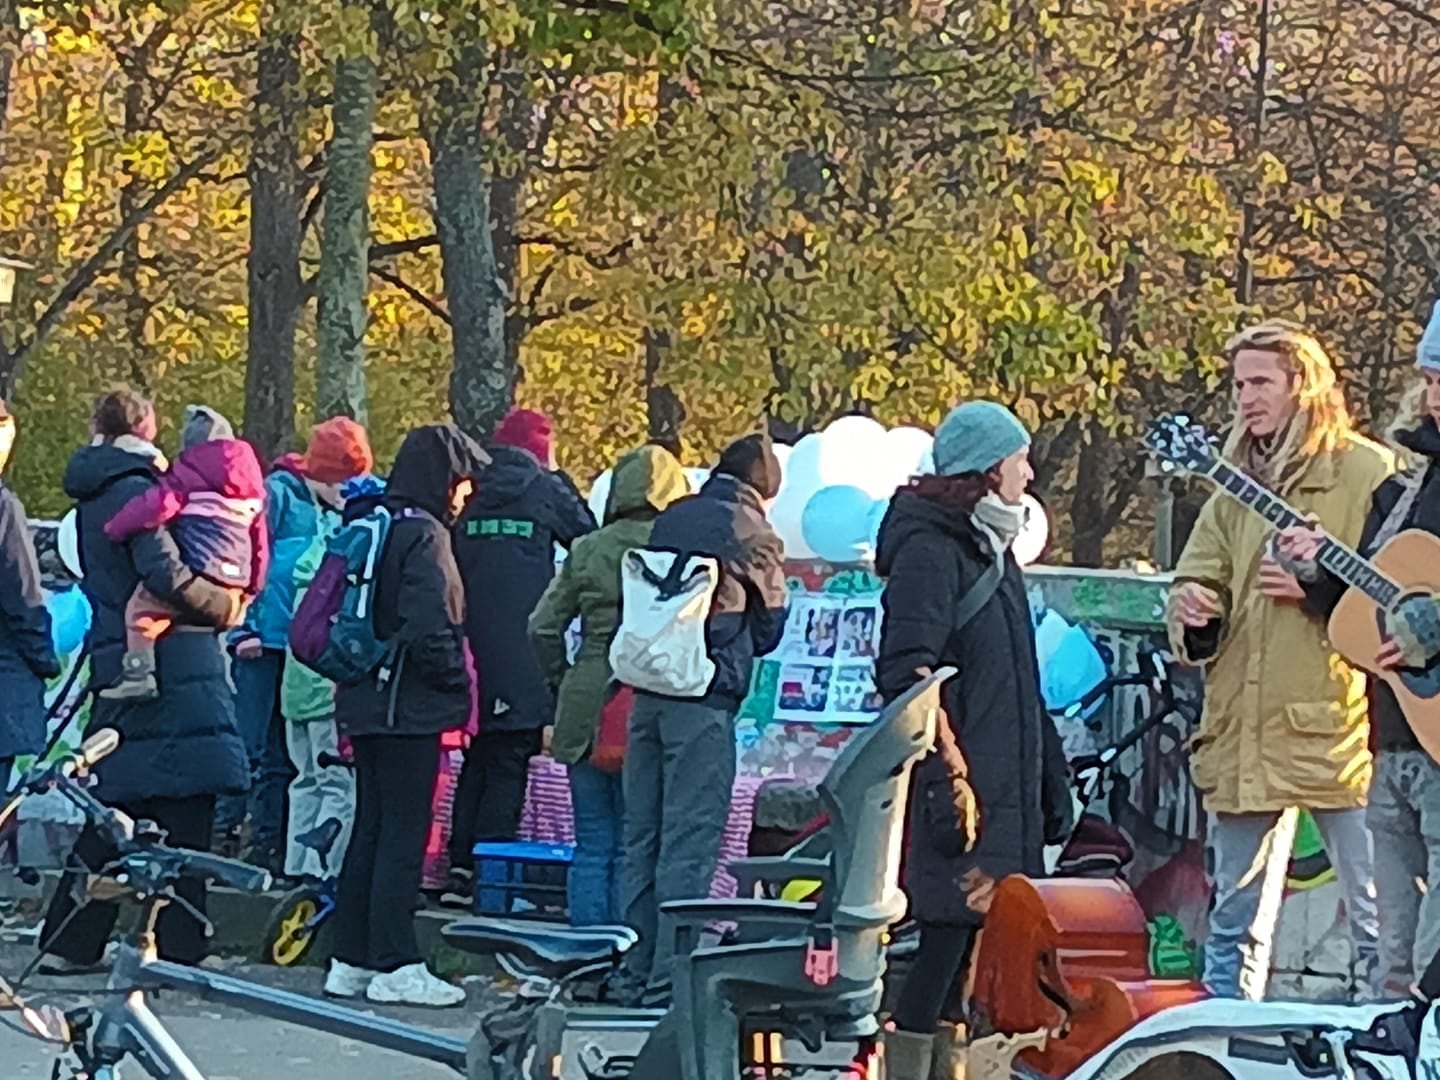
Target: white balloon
{"x":910,"y":446}
{"x":697,"y":478}
{"x":599,"y":495}
{"x":857,"y":429}
{"x":1030,"y":544}
{"x":67,"y":543}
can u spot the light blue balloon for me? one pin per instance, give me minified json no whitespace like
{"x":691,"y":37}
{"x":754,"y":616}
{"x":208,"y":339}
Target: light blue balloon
{"x":836,"y":524}
{"x":69,"y":619}
{"x":876,"y":519}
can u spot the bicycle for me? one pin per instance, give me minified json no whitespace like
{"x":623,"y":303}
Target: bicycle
{"x":97,"y":1039}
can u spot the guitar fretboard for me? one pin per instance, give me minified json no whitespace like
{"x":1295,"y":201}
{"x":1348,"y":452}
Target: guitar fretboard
{"x":1347,"y":565}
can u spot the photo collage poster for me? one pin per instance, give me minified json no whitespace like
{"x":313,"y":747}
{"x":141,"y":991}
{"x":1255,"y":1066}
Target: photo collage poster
{"x":826,"y":660}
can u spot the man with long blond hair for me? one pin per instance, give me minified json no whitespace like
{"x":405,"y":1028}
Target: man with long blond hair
{"x":1285,"y":718}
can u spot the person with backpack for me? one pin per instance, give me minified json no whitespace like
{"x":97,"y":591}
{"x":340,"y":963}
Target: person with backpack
{"x":298,"y":491}
{"x":27,"y":656}
{"x":646,"y":481}
{"x":995,"y":790}
{"x":505,"y":546}
{"x":178,"y":752}
{"x":704,"y":599}
{"x":395,"y":712}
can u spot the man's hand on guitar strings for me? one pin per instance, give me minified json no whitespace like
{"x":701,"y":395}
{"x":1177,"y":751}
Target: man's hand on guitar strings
{"x":1278,"y":583}
{"x":1300,"y":542}
{"x":1195,"y":605}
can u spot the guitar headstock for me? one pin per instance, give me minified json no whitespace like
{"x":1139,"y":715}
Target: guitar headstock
{"x":1183,"y":442}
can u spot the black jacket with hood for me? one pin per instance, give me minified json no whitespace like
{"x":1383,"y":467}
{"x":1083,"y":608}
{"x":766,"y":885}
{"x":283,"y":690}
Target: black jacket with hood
{"x":726,"y":521}
{"x":1389,"y":730}
{"x":419,"y":599}
{"x":505,"y":547}
{"x":185,"y":742}
{"x":931,"y":557}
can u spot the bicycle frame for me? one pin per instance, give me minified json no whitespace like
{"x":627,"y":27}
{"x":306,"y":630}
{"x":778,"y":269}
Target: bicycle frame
{"x":126,"y":1026}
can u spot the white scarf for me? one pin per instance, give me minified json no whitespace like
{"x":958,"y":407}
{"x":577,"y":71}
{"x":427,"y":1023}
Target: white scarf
{"x":1002,"y":519}
{"x":133,"y":444}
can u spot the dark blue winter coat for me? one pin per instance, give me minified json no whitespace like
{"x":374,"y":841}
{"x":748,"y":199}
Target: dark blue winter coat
{"x":726,"y":521}
{"x":27,"y":657}
{"x":185,"y":742}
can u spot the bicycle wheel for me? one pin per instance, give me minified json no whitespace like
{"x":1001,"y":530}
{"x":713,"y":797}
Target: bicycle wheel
{"x":291,"y":931}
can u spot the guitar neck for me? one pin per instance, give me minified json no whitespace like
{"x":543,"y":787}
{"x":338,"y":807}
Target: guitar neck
{"x":1345,"y":563}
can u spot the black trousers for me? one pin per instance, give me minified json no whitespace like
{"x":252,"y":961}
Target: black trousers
{"x":936,"y":980}
{"x":490,"y":794}
{"x":79,"y":936}
{"x":375,"y":899}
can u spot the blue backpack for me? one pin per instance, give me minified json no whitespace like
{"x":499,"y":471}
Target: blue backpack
{"x":333,"y":631}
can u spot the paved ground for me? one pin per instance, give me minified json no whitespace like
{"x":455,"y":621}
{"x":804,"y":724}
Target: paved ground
{"x":230,"y":1045}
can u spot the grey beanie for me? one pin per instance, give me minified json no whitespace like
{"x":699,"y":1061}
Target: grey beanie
{"x":202,"y":424}
{"x":976,"y":437}
{"x":1428,"y":354}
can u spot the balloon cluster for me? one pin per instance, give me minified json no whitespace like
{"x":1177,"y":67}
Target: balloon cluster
{"x":837,"y":487}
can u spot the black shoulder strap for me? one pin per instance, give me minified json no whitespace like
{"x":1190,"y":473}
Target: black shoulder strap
{"x":980,"y":593}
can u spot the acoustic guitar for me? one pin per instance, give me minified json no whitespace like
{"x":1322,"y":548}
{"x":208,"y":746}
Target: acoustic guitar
{"x":1402,"y":577}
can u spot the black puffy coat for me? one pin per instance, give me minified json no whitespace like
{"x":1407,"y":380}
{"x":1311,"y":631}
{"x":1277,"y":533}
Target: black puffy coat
{"x":931,"y":557}
{"x":27,"y":657}
{"x":419,"y":599}
{"x":185,"y":742}
{"x":726,"y":521}
{"x":505,"y":548}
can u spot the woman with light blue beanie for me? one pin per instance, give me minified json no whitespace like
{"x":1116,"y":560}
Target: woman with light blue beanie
{"x":995,"y":789}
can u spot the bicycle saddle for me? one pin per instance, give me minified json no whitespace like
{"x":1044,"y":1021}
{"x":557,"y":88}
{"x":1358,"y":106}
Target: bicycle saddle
{"x":541,"y":949}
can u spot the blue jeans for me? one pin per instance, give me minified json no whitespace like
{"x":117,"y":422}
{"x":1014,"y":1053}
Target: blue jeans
{"x":1237,"y":843}
{"x":257,"y":713}
{"x":598,"y":800}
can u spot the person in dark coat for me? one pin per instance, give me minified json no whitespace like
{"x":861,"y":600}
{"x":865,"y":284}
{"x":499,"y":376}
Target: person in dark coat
{"x":181,"y":750}
{"x":995,"y":790}
{"x":505,"y":546}
{"x":680,"y":759}
{"x":394,"y":725}
{"x":27,"y":655}
{"x":1403,"y":809}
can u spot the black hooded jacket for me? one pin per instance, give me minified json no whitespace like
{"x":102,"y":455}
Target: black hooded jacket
{"x":1389,"y":730}
{"x":931,"y":557}
{"x":419,"y":600}
{"x":505,"y":547}
{"x":184,"y":743}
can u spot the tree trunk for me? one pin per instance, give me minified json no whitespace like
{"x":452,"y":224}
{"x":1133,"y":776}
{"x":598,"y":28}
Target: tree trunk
{"x":276,"y":198}
{"x":481,"y":381}
{"x":665,"y":412}
{"x":343,"y":280}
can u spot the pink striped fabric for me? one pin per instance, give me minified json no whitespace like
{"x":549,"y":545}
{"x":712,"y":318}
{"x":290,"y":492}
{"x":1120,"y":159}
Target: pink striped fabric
{"x":548,"y":817}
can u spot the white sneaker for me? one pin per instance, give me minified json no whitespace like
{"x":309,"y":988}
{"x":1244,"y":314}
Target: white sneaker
{"x":414,"y":985}
{"x":346,"y":980}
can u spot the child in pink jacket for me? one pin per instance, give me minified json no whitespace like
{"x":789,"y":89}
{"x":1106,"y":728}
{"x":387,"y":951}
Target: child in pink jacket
{"x":213,"y":501}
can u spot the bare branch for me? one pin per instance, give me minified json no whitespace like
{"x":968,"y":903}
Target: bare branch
{"x":411,"y":291}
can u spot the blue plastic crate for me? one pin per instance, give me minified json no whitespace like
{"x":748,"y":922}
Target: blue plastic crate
{"x":522,"y":879}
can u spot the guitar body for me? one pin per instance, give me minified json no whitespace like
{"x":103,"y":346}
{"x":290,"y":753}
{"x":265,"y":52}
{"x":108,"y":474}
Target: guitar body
{"x":1412,"y":560}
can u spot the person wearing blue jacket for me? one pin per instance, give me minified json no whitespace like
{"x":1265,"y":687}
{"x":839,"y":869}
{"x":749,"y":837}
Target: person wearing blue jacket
{"x":295,"y":494}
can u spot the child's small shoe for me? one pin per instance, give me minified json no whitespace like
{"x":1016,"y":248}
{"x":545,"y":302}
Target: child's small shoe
{"x":137,"y":679}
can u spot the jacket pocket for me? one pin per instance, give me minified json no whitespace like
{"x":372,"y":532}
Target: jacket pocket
{"x":942,"y":823}
{"x":1317,"y":718}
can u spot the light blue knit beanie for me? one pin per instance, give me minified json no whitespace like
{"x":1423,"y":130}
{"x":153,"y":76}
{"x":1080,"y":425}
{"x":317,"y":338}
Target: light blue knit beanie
{"x":976,"y":437}
{"x":1428,"y":354}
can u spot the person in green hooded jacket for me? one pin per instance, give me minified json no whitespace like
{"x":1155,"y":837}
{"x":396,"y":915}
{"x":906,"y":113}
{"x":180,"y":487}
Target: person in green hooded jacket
{"x":644,"y":482}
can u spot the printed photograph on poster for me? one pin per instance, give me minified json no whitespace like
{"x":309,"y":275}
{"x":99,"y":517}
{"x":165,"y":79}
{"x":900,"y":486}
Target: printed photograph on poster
{"x":804,"y":690}
{"x":853,"y":693}
{"x":857,"y":632}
